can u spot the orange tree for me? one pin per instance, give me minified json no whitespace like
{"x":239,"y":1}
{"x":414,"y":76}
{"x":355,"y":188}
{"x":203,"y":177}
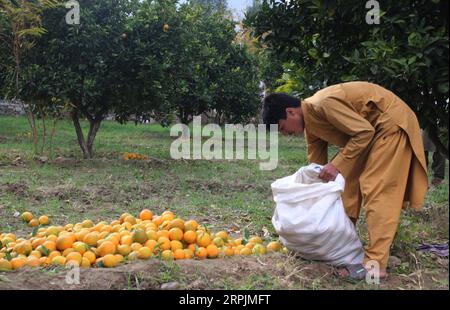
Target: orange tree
{"x":82,"y":64}
{"x":327,"y":42}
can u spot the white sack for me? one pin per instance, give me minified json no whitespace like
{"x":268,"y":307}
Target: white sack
{"x":311,"y":220}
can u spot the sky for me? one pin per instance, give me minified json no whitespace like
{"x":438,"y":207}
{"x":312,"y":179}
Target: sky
{"x":239,"y":5}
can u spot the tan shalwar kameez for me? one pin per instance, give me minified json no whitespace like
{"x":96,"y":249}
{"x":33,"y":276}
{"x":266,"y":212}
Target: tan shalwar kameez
{"x":382,"y":156}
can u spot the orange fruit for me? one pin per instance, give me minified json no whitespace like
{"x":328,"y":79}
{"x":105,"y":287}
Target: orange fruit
{"x":219,"y":242}
{"x":245,"y":252}
{"x":228,"y":251}
{"x":151,"y":244}
{"x":274,"y":246}
{"x":85,"y":263}
{"x":223,"y":235}
{"x":123,"y":216}
{"x":188,"y":254}
{"x":68,"y":251}
{"x":87,"y":224}
{"x":167,"y":255}
{"x":176,"y":234}
{"x":152,"y":235}
{"x":256,"y":240}
{"x":250,"y":245}
{"x":64,"y":242}
{"x":53,"y":255}
{"x":50,"y":246}
{"x":130,"y":219}
{"x":91,"y":238}
{"x":139,"y":236}
{"x":259,"y":249}
{"x":179,"y":254}
{"x":124,"y":249}
{"x":192,"y":247}
{"x":164,"y":244}
{"x":133,"y":256}
{"x":90,"y":256}
{"x":33,"y":261}
{"x":109,"y":261}
{"x":59,"y":260}
{"x":176,"y":245}
{"x":74,"y":256}
{"x":5,"y":265}
{"x":162,"y":233}
{"x":135,"y":246}
{"x":36,"y":254}
{"x":44,"y":220}
{"x":145,"y":253}
{"x":177,"y":223}
{"x":27,"y":216}
{"x":106,"y":248}
{"x":119,"y":258}
{"x":201,"y":253}
{"x":146,"y":215}
{"x":37,"y":242}
{"x":80,"y":247}
{"x":18,"y":262}
{"x":213,"y":251}
{"x":238,"y":241}
{"x":157,"y":220}
{"x":33,"y":223}
{"x":203,"y":239}
{"x":190,"y":236}
{"x":190,"y":225}
{"x":23,"y":248}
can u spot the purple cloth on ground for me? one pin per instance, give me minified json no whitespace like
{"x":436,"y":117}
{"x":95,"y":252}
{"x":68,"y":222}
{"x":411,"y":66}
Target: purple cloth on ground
{"x":435,"y":248}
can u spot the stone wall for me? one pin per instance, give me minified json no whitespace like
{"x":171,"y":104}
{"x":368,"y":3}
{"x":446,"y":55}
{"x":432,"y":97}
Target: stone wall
{"x":9,"y":108}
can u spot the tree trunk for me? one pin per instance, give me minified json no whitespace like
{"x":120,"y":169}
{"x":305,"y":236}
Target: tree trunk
{"x":93,"y":129}
{"x":80,"y":135}
{"x":433,"y":133}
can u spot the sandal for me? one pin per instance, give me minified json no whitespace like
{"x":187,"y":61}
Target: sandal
{"x":354,"y":273}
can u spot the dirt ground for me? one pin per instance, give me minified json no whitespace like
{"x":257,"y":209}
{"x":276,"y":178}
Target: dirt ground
{"x":273,"y":271}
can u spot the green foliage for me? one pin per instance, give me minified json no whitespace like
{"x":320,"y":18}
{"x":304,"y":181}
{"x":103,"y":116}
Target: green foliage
{"x":329,"y":42}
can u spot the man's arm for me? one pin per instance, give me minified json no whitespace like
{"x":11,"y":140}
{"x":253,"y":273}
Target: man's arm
{"x":317,"y":149}
{"x":342,"y":115}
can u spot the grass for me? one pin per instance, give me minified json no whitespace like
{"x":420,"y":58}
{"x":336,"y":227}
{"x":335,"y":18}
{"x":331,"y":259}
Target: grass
{"x":232,"y":195}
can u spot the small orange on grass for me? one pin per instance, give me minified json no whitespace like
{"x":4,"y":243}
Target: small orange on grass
{"x":201,"y":253}
{"x":146,"y":215}
{"x":27,"y":216}
{"x":44,"y":220}
{"x":109,"y":261}
{"x":33,"y":223}
{"x":64,"y":242}
{"x":145,"y":253}
{"x":190,"y":236}
{"x":176,"y":234}
{"x":167,"y":255}
{"x":179,"y":254}
{"x":5,"y":265}
{"x":213,"y":251}
{"x":203,"y":239}
{"x":188,"y":254}
{"x":107,"y":248}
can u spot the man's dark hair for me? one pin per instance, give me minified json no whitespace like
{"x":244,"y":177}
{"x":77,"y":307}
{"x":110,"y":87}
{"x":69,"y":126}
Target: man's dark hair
{"x":275,"y":106}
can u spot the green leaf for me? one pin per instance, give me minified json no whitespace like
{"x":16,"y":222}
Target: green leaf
{"x":443,"y":88}
{"x":35,"y":231}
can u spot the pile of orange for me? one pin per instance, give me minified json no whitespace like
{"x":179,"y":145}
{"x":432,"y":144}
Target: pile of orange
{"x":88,"y":244}
{"x":133,"y":156}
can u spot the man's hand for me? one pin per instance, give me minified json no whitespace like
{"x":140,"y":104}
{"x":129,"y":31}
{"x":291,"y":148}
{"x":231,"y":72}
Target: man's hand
{"x":329,"y":173}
